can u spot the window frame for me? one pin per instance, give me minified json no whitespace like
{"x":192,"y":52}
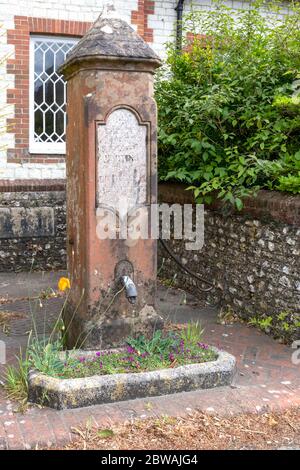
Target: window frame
{"x":51,"y":148}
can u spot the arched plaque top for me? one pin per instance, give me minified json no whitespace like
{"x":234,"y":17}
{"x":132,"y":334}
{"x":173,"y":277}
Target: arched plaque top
{"x":122,"y":160}
{"x":119,"y":112}
{"x":124,"y":107}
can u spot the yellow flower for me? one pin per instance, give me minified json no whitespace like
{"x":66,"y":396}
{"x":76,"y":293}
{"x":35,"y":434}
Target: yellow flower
{"x":63,"y":284}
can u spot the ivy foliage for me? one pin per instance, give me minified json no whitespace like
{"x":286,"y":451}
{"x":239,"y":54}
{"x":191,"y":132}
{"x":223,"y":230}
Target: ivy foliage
{"x":229,"y":104}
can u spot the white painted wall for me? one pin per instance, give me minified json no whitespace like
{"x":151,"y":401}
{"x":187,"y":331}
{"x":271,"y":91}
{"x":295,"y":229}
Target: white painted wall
{"x":163,"y":23}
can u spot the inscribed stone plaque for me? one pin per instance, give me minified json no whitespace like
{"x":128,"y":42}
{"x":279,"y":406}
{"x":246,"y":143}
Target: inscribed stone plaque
{"x":122,"y":161}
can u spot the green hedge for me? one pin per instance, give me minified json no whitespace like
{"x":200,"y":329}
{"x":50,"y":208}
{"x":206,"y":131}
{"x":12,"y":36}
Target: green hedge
{"x":229,"y":104}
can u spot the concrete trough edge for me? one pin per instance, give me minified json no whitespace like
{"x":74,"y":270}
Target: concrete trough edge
{"x":99,"y":389}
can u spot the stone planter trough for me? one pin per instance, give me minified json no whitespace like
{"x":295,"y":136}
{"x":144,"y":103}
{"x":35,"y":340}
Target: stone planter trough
{"x":98,"y":389}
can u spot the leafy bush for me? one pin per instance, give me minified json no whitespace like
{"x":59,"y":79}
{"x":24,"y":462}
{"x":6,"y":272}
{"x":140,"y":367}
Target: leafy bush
{"x":229,"y":104}
{"x":289,"y":183}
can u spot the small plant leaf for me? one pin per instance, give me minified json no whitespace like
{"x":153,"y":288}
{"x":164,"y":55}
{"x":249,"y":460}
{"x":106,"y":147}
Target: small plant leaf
{"x":105,"y":433}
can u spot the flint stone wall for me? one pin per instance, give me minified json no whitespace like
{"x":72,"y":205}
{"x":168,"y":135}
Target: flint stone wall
{"x":254,"y":256}
{"x":33,"y":228}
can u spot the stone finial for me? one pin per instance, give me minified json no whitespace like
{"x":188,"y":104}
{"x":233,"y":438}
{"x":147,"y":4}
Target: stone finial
{"x":108,"y":39}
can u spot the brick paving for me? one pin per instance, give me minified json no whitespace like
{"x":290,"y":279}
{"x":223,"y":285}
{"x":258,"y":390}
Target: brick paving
{"x":266,"y":378}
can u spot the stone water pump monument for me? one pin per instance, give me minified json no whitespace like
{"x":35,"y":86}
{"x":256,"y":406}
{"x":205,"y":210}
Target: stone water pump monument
{"x":111,"y":179}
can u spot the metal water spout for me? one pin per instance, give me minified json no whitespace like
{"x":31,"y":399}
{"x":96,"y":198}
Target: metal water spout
{"x":130,"y":289}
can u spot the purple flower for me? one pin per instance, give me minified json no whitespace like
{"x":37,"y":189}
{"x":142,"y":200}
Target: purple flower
{"x":144,"y":354}
{"x":98,"y":354}
{"x":171,"y":357}
{"x":82,"y":359}
{"x":203,"y":345}
{"x":131,"y":350}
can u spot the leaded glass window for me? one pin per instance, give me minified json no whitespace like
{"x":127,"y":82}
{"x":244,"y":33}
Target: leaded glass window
{"x":48,"y":94}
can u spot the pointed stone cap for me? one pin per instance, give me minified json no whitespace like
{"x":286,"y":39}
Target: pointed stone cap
{"x":110,"y":39}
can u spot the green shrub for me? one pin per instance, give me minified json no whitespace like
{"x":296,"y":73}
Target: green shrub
{"x":289,"y":183}
{"x":229,"y":104}
{"x":284,"y":325}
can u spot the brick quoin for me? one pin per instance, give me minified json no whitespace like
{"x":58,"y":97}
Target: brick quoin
{"x":19,"y":66}
{"x":140,"y":18}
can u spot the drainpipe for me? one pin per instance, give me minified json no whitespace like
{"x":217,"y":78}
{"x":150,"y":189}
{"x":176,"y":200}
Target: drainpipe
{"x":179,"y":10}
